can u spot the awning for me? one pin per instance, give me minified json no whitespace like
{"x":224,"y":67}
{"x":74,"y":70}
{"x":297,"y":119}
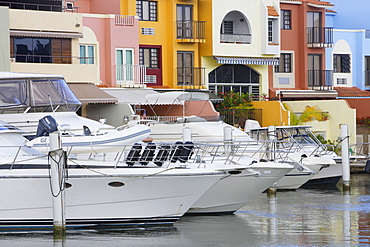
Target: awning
{"x":173,"y":98}
{"x":89,"y":93}
{"x":134,"y":96}
{"x":23,"y":33}
{"x":307,"y":93}
{"x":247,"y":60}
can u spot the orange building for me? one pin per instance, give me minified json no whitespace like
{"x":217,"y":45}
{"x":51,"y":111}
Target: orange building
{"x":301,"y":73}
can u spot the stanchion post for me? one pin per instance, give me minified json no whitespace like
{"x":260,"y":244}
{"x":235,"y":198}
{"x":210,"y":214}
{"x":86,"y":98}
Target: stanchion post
{"x":59,"y":221}
{"x":345,"y":157}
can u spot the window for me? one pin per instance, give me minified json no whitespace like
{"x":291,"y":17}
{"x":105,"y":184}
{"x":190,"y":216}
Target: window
{"x":149,"y":57}
{"x":69,"y":6}
{"x":146,"y":10}
{"x":367,"y":71}
{"x":87,"y":54}
{"x":32,"y":50}
{"x":185,"y":70}
{"x":184,"y":20}
{"x":271,"y":31}
{"x":285,"y":65}
{"x":124,"y":64}
{"x":342,"y":63}
{"x":41,"y":50}
{"x":285,"y":20}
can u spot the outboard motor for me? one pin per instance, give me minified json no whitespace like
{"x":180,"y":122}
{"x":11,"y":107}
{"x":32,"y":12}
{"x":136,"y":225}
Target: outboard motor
{"x":46,"y":126}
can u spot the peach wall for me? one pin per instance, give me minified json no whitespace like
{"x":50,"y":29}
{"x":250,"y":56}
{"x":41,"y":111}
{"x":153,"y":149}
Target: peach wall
{"x":361,"y":106}
{"x":111,"y":37}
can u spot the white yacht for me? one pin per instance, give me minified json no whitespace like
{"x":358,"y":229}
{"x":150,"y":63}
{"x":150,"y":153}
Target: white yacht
{"x":98,"y":194}
{"x":301,"y":143}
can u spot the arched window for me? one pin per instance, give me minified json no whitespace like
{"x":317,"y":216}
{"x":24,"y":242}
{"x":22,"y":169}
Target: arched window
{"x":235,"y":28}
{"x":236,"y":77}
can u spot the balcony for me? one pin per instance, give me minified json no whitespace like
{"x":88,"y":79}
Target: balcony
{"x":56,"y":7}
{"x":320,"y":37}
{"x":190,"y":76}
{"x":320,"y":79}
{"x":124,"y":20}
{"x":235,"y":38}
{"x":130,"y":75}
{"x":191,"y":31}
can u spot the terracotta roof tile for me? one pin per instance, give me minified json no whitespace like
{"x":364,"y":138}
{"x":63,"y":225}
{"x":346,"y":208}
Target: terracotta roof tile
{"x":330,"y":11}
{"x":272,"y":11}
{"x":317,"y":2}
{"x":351,"y":92}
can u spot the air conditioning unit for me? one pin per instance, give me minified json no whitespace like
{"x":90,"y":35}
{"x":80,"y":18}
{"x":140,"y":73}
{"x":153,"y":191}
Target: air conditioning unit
{"x":151,"y":79}
{"x":341,"y":81}
{"x":147,"y":31}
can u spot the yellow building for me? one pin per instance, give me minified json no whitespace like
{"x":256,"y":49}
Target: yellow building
{"x":208,"y":44}
{"x":170,"y":35}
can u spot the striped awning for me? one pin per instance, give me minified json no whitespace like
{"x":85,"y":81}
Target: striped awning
{"x":44,"y":34}
{"x":247,"y":60}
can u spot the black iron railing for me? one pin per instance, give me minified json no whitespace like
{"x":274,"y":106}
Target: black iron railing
{"x":39,"y":7}
{"x":320,"y":79}
{"x":191,"y":29}
{"x":320,"y":35}
{"x":237,"y":117}
{"x":190,"y":76}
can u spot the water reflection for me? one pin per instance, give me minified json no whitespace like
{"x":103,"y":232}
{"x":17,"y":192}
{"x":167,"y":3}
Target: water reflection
{"x":306,"y":217}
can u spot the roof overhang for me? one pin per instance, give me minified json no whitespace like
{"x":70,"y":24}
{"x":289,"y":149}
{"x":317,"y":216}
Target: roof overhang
{"x":89,"y":93}
{"x":14,"y":75}
{"x":248,"y":60}
{"x":45,"y":34}
{"x":174,"y":98}
{"x":307,"y":93}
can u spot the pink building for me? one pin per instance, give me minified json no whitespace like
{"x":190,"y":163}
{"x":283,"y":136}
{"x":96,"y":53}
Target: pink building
{"x":111,"y":41}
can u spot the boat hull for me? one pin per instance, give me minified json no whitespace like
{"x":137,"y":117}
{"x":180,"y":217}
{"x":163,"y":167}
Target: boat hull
{"x":233,"y":192}
{"x":93,"y":200}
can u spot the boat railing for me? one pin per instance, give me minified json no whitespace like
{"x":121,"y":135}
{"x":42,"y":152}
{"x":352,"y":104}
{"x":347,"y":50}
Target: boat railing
{"x":182,"y":153}
{"x":174,"y":119}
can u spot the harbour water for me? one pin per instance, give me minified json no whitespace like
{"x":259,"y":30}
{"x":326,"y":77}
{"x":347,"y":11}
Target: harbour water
{"x":306,"y":217}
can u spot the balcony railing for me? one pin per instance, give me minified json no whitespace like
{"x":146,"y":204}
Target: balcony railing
{"x":190,"y":76}
{"x":320,"y":36}
{"x":38,"y":7}
{"x":320,"y":79}
{"x":367,"y":78}
{"x":124,"y":20}
{"x":236,"y":38}
{"x":191,"y":29}
{"x":130,"y":75}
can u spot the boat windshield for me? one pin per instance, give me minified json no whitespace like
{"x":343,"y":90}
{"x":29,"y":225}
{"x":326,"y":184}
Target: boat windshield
{"x":36,"y":95}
